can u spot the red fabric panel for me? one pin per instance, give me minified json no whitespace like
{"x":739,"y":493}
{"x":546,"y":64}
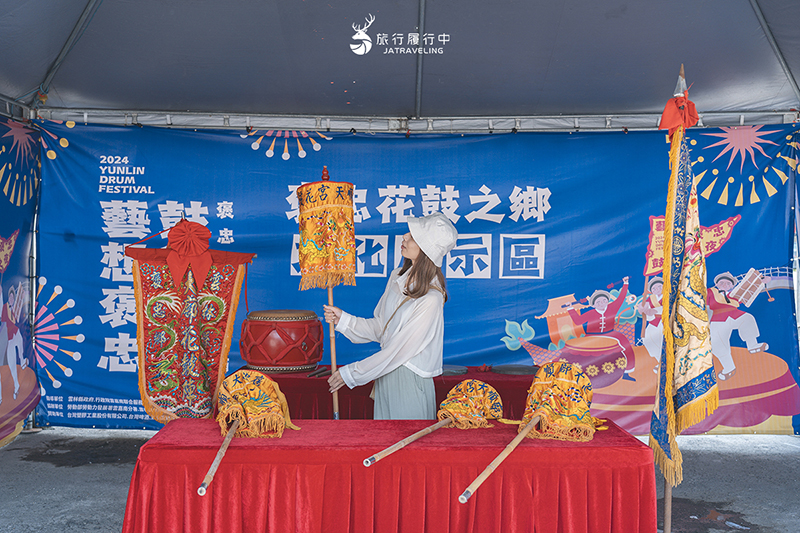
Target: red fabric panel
{"x":312,"y":480}
{"x":159,"y":255}
{"x":309,"y":397}
{"x":201,"y":264}
{"x":679,"y":111}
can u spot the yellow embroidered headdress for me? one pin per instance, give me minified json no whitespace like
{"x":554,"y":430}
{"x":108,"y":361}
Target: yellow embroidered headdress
{"x":470,"y":403}
{"x":560,"y":395}
{"x":256,"y":402}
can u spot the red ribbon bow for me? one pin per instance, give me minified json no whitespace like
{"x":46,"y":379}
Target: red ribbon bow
{"x":188,"y":243}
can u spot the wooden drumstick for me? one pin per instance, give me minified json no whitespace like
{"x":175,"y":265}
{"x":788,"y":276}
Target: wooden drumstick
{"x":369,"y":461}
{"x":499,"y":459}
{"x":220,"y":454}
{"x":332,"y":330}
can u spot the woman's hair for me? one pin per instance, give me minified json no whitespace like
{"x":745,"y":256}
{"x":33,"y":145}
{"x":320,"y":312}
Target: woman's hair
{"x":422,"y":272}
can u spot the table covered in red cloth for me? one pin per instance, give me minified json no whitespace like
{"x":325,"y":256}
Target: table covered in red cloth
{"x":313,"y":480}
{"x":309,"y":397}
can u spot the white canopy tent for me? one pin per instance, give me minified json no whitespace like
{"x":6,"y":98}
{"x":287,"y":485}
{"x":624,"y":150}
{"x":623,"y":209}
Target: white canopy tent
{"x":483,"y":66}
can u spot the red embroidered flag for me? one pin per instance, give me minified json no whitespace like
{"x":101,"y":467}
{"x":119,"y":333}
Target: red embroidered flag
{"x":186,"y":299}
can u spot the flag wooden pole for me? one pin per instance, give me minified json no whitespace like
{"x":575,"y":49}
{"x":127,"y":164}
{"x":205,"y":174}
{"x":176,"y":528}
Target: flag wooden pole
{"x":336,"y":215}
{"x":369,"y":461}
{"x":332,"y":330}
{"x":667,"y":486}
{"x":499,"y":459}
{"x":220,"y":454}
{"x":667,"y":507}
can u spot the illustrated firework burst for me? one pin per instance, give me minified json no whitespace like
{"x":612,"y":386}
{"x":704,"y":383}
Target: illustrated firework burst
{"x":19,"y":163}
{"x":286,"y":134}
{"x":50,"y":340}
{"x":744,"y":141}
{"x":63,"y":141}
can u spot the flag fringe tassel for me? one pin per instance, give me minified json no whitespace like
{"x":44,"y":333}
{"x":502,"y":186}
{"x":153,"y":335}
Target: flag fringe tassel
{"x":671,"y":468}
{"x":324,"y":280}
{"x":698,"y":410}
{"x":268,"y":426}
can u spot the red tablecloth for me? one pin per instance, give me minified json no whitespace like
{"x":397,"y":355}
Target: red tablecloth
{"x":309,"y":397}
{"x":313,"y":480}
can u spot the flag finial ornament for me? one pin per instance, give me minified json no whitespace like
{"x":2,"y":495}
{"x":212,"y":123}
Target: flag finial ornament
{"x":680,"y":87}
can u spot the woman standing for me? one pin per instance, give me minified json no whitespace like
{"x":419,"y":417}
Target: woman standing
{"x":408,"y":324}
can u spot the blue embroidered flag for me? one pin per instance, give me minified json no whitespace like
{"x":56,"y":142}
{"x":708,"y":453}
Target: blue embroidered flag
{"x":687,"y":387}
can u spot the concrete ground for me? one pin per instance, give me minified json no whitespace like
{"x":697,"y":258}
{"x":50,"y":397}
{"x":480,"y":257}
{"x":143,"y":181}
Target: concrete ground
{"x":64,"y":480}
{"x":736,"y":483}
{"x":67,"y":480}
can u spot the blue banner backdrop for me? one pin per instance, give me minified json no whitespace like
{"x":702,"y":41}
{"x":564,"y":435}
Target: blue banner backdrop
{"x":545,"y":220}
{"x":19,"y":183}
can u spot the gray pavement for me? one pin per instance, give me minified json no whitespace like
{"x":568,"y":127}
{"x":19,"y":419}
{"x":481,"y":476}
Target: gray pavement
{"x":67,"y":480}
{"x":732,"y":482}
{"x":63,"y":480}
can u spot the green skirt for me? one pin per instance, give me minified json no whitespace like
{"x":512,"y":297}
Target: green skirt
{"x":403,"y":395}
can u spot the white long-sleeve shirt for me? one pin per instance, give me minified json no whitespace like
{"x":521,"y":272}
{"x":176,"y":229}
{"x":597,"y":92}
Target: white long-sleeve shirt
{"x":413,"y":338}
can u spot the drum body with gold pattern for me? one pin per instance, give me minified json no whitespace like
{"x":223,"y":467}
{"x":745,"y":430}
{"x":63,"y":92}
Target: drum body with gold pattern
{"x":281,"y":340}
{"x":599,"y":356}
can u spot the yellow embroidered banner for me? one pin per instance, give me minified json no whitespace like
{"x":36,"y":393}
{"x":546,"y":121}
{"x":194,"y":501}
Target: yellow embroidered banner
{"x":327,"y":249}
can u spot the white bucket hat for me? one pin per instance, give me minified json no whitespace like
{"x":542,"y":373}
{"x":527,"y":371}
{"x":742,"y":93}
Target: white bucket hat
{"x":434,"y":234}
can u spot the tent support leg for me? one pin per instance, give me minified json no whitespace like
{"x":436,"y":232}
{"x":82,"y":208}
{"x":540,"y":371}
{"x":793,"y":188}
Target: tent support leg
{"x":418,"y":91}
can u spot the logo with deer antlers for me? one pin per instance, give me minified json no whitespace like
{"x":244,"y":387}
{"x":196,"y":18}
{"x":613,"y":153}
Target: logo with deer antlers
{"x":363,"y":42}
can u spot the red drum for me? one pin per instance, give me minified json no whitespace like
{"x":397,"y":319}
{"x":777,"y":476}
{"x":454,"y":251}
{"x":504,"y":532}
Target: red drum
{"x":281,"y":340}
{"x":600,"y":356}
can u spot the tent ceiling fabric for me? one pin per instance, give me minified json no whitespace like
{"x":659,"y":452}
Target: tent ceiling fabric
{"x":499,"y":58}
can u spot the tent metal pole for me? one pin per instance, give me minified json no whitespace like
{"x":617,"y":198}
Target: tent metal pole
{"x":77,"y":32}
{"x":11,"y":103}
{"x":33,"y":277}
{"x":398,"y":124}
{"x":774,"y":44}
{"x":418,"y":91}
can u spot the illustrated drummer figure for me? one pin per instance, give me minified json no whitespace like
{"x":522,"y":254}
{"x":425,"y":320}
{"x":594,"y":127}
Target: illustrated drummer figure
{"x":600,"y":320}
{"x":726,"y":316}
{"x":651,"y":308}
{"x":11,"y":343}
